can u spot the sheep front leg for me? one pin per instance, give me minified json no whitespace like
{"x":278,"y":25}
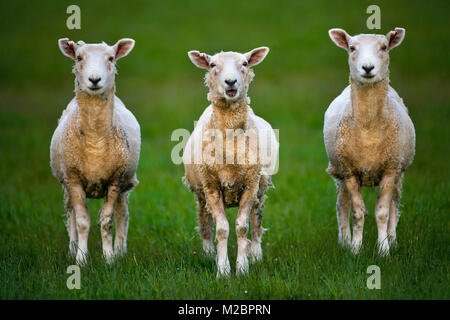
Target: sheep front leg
{"x":83,"y":221}
{"x":343,"y":210}
{"x":215,"y":205}
{"x":359,"y":212}
{"x":122,"y":217}
{"x":387,"y":186}
{"x":245,"y":205}
{"x":106,"y":221}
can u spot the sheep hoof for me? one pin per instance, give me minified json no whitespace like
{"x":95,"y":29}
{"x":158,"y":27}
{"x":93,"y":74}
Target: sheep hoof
{"x":120,"y":250}
{"x":73,"y":247}
{"x":344,"y":244}
{"x":242,"y":266}
{"x":109,"y":257}
{"x":355,"y":247}
{"x":256,"y":253}
{"x":81,"y":258}
{"x":392,"y":241}
{"x":383,"y":248}
{"x":208,"y":249}
{"x":223,"y":270}
{"x":344,"y":240}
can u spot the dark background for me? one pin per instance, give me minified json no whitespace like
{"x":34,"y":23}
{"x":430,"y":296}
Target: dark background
{"x":302,"y":74}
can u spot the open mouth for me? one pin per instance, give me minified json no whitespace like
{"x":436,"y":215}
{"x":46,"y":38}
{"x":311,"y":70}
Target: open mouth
{"x":231,"y":92}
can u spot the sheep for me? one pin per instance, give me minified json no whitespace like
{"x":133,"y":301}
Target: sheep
{"x":369,"y":138}
{"x":241,"y":179}
{"x":95,"y":148}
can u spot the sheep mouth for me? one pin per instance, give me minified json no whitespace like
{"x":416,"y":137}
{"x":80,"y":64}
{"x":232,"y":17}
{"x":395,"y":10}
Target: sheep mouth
{"x":231,"y":93}
{"x":95,"y":88}
{"x":368,"y":76}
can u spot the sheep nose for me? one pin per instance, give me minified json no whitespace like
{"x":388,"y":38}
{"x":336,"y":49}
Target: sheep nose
{"x":368,"y":68}
{"x":95,"y":80}
{"x":230,"y":82}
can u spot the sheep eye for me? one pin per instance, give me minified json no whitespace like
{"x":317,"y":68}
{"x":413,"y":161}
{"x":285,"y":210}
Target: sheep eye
{"x":79,"y":58}
{"x":352,"y":48}
{"x":111,"y":59}
{"x":245,"y":63}
{"x":384,"y":48}
{"x":212,"y":65}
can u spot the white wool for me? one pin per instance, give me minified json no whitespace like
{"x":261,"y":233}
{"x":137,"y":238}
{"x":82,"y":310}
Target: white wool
{"x":268,"y":143}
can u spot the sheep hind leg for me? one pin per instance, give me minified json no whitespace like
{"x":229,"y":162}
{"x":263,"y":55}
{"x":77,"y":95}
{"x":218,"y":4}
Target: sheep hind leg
{"x":343,"y":205}
{"x":394,"y":213}
{"x":121,"y":216}
{"x":71,"y":225}
{"x":257,"y":229}
{"x":204,"y":228}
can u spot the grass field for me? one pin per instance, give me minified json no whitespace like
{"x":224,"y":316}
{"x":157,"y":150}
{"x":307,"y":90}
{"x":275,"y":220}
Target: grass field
{"x":293,"y":87}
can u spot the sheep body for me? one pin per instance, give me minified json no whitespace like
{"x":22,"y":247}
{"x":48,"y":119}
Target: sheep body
{"x":96,"y":158}
{"x":388,"y":142}
{"x":232,"y":177}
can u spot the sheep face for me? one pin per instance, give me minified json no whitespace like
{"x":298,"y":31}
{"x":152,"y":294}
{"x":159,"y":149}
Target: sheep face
{"x":368,"y":53}
{"x":229,"y":73}
{"x":95,"y":64}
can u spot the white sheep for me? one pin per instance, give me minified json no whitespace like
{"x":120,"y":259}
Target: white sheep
{"x":369,"y":138}
{"x":95,"y":148}
{"x":230,"y":157}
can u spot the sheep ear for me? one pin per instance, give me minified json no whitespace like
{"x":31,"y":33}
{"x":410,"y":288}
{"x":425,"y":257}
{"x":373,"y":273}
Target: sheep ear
{"x":67,"y":47}
{"x":256,"y":56}
{"x":395,"y":37}
{"x":123,"y":47}
{"x":200,"y":59}
{"x":339,"y":37}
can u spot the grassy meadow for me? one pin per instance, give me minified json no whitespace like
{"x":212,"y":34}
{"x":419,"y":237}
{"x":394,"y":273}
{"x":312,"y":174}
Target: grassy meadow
{"x":302,"y":74}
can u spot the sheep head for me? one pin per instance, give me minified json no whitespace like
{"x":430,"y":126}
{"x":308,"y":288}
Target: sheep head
{"x":95,"y":64}
{"x":229,"y":73}
{"x":368,"y":53}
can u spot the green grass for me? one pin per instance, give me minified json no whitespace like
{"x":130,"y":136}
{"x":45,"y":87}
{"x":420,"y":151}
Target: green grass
{"x":293,"y":87}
